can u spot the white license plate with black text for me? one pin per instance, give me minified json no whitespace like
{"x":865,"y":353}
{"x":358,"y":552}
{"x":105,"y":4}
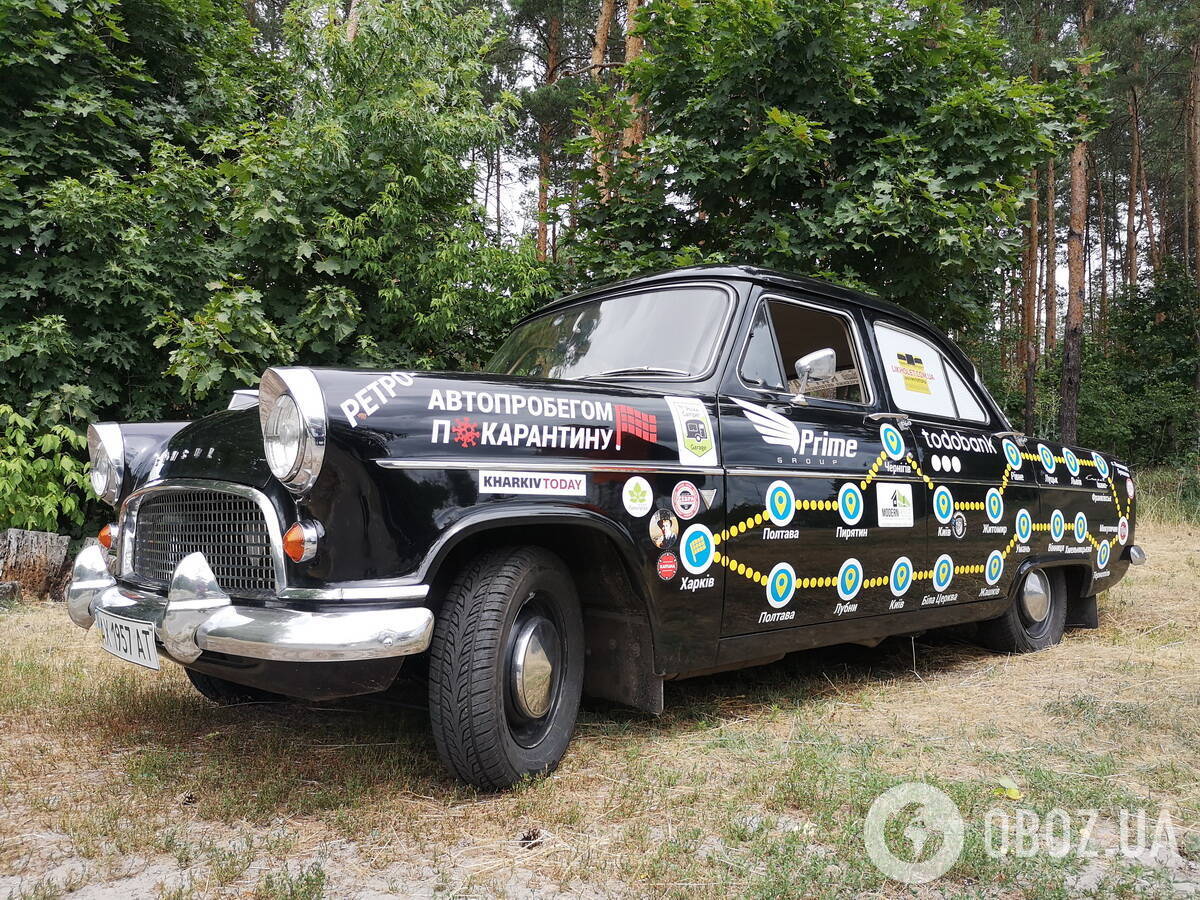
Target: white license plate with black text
{"x":131,"y":641}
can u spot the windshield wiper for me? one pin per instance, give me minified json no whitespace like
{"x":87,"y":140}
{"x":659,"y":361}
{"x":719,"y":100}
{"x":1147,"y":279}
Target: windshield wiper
{"x":635,"y":370}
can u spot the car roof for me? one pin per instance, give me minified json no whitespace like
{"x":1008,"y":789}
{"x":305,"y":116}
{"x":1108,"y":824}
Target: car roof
{"x":765,"y":277}
{"x":772,"y":277}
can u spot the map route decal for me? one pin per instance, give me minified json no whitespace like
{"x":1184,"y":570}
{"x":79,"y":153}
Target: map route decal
{"x":783,"y":581}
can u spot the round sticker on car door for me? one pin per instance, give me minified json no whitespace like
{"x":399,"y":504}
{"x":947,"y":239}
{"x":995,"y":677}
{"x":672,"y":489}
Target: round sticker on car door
{"x":892,"y":440}
{"x":994,"y":505}
{"x":781,"y":585}
{"x":943,"y":572}
{"x":943,"y":505}
{"x":1012,"y":453}
{"x":849,"y":580}
{"x":994,"y":567}
{"x":1047,"y":458}
{"x":1058,"y":525}
{"x":697,"y":549}
{"x":900,"y":578}
{"x":781,"y":503}
{"x":685,"y":500}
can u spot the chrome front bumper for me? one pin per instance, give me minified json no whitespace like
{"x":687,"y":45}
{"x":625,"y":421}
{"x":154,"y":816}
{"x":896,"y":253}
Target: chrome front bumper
{"x":196,"y":615}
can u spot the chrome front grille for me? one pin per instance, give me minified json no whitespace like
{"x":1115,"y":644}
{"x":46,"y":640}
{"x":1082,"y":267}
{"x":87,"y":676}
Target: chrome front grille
{"x":229,"y":529}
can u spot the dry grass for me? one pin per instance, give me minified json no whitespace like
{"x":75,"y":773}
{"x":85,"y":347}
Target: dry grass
{"x":753,"y":783}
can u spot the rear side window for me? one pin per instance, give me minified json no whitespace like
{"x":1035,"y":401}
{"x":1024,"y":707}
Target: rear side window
{"x":922,"y":380}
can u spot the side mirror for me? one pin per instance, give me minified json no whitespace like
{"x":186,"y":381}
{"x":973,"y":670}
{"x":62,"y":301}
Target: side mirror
{"x":819,"y":365}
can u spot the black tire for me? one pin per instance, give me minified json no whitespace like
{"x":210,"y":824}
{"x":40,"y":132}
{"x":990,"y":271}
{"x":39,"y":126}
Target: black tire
{"x":228,"y":693}
{"x":1017,"y":631}
{"x":481,"y":731}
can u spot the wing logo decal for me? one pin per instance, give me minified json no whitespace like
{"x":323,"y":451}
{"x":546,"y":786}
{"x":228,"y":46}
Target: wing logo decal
{"x":771,"y":426}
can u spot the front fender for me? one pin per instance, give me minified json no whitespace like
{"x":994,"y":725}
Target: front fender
{"x":500,"y":517}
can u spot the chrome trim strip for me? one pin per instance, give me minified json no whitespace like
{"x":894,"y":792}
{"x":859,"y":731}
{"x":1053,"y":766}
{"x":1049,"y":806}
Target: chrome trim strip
{"x":133,"y":501}
{"x":385,"y":592}
{"x":392,"y":463}
{"x":785,"y":472}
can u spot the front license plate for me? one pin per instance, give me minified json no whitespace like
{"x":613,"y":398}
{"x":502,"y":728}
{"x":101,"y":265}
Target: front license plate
{"x":131,"y":641}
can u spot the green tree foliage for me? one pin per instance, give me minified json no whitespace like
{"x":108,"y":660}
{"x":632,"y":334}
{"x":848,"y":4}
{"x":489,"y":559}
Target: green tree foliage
{"x":172,"y":201}
{"x":879,"y":144}
{"x":312,"y":208}
{"x":97,"y":90}
{"x":42,"y":482}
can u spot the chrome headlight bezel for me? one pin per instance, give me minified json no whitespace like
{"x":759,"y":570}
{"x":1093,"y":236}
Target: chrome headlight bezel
{"x":106,"y":450}
{"x":300,"y":386}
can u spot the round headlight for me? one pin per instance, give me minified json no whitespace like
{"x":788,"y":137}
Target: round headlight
{"x":291,"y":410}
{"x":283,"y":437}
{"x":106,"y":449}
{"x":102,"y":472}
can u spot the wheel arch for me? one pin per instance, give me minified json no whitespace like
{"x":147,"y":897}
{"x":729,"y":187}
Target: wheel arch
{"x":619,"y":618}
{"x":1082,"y":609}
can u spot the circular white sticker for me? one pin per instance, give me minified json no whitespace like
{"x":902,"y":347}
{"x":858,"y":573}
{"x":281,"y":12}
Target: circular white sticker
{"x":900,"y":578}
{"x":685,"y":500}
{"x":781,"y":503}
{"x":781,"y":585}
{"x":697,"y":549}
{"x":637,"y":496}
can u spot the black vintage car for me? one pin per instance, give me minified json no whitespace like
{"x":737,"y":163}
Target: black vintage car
{"x":675,"y":475}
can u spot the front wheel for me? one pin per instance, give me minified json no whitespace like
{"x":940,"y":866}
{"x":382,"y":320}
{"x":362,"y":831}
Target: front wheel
{"x":1036,"y":618}
{"x":506,"y":667}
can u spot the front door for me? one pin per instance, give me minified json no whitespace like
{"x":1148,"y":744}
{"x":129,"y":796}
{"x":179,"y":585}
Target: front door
{"x":825,"y":507}
{"x":983,"y":499}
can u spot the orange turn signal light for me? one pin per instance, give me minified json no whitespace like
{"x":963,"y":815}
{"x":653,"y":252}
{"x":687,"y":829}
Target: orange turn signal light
{"x":300,"y":541}
{"x":107,"y":536}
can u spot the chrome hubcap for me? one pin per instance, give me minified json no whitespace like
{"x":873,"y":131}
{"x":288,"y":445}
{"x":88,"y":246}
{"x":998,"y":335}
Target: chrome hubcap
{"x":534,"y":662}
{"x":1035,"y":596}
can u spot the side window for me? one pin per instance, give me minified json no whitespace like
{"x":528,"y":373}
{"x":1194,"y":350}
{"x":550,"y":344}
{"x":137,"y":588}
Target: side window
{"x":799,"y":330}
{"x":921,"y":380}
{"x":968,"y":406}
{"x":760,"y":363}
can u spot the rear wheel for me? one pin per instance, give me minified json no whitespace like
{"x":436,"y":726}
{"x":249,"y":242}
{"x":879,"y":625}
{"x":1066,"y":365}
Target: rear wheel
{"x":1036,"y":618}
{"x":227,"y":693}
{"x":506,"y":667}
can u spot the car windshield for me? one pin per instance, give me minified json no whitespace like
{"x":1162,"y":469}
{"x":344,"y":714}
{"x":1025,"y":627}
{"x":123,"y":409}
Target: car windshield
{"x":671,"y":333}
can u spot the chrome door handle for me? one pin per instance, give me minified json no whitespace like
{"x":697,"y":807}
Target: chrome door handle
{"x":899,"y":418}
{"x":1019,"y":436}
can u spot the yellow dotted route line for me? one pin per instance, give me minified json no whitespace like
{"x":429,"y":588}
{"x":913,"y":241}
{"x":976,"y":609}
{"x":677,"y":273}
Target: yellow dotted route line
{"x":916,"y":468}
{"x":1116,"y":499}
{"x":873,"y":470}
{"x":885,"y":580}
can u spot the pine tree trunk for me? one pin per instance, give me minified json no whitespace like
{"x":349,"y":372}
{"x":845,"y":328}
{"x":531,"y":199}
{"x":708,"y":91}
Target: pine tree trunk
{"x":1073,"y":332}
{"x":1051,"y":299}
{"x":553,"y":43}
{"x":1101,"y":225}
{"x":1153,"y":239}
{"x":1029,"y":293}
{"x":636,"y":130}
{"x":599,"y":52}
{"x":1194,"y":92}
{"x":1135,"y":166}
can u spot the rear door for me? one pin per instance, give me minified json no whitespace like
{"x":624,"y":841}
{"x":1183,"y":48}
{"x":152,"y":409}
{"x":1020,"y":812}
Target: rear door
{"x":823,"y":523}
{"x":980,"y":482}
